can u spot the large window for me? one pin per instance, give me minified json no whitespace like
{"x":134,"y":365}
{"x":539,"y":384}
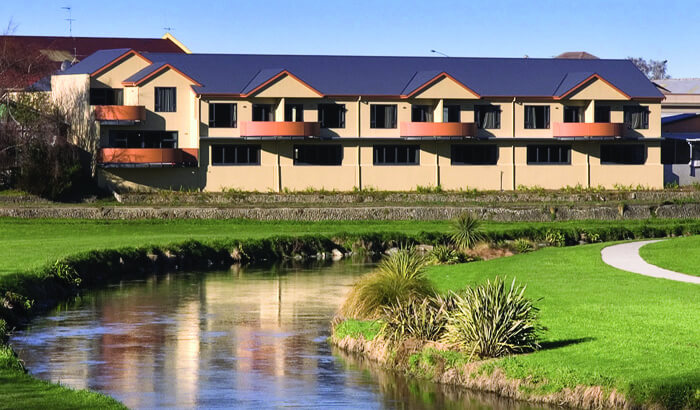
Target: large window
{"x":294,"y":112}
{"x":602,"y":113}
{"x":675,"y":151}
{"x":474,"y":154}
{"x":106,"y":96}
{"x":625,"y":154}
{"x":536,"y":116}
{"x":572,"y":114}
{"x":451,"y":113}
{"x":223,"y":115}
{"x":421,"y":113}
{"x":637,"y":117}
{"x":229,"y":154}
{"x":488,"y":116}
{"x":318,"y":154}
{"x":549,"y":154}
{"x":142,"y":139}
{"x":396,"y":155}
{"x":331,"y":115}
{"x":166,"y":99}
{"x":263,"y":112}
{"x":382,"y":116}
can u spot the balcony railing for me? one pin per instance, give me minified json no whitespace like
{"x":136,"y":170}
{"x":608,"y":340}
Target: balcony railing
{"x":148,"y":157}
{"x":279,"y":129}
{"x":120,"y":113}
{"x":588,"y":129}
{"x":438,"y":129}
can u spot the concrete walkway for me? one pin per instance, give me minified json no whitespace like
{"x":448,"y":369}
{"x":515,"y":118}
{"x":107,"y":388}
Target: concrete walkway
{"x":625,"y":256}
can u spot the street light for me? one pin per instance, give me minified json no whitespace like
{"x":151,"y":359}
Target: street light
{"x":439,"y":52}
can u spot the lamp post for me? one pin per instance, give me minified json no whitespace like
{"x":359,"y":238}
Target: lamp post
{"x":439,"y":52}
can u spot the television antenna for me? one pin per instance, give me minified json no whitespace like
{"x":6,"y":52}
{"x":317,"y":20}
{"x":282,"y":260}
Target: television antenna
{"x":70,"y":19}
{"x":169,"y":29}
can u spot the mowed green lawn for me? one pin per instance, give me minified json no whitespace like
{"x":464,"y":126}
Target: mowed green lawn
{"x":605,"y":327}
{"x":677,"y":254}
{"x":29,"y":243}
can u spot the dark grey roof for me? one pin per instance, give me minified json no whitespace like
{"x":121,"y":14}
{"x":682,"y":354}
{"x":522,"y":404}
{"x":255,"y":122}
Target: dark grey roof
{"x":366,"y":75}
{"x":96,"y":60}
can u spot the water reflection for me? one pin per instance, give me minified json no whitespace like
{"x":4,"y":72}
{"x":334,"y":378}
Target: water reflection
{"x":247,"y":337}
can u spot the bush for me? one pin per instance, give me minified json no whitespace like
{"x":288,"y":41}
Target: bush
{"x":399,"y":277}
{"x":522,"y":245}
{"x":491,"y":320}
{"x":422,"y":319}
{"x":444,"y":255}
{"x":555,"y":238}
{"x":467,"y":230}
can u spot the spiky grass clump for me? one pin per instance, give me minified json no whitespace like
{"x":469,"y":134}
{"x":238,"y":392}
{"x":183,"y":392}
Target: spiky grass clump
{"x":467,"y":230}
{"x":421,"y":319}
{"x":398,"y":278}
{"x":491,"y":320}
{"x":523,"y":245}
{"x":444,"y":255}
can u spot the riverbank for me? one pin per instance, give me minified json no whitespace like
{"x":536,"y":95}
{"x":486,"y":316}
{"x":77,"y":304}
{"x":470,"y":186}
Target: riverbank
{"x":90,"y":256}
{"x":614,"y":339}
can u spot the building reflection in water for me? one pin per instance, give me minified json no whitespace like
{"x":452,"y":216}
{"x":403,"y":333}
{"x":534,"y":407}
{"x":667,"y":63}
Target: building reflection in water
{"x":252,"y":337}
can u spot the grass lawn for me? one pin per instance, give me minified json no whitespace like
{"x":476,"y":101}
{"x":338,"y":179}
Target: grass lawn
{"x":580,"y":301}
{"x":678,"y":254}
{"x":30,"y":243}
{"x":18,"y":390}
{"x":606,"y":327}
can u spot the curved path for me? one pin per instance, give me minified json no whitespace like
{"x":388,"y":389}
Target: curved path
{"x":625,"y":256}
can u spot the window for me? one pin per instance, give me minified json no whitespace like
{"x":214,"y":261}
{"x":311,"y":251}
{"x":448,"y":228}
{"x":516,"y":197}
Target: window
{"x":421,"y":113}
{"x":451,"y":113}
{"x":488,"y":116}
{"x":549,"y":154}
{"x":625,"y":154}
{"x":165,"y":99}
{"x":106,"y":96}
{"x":235,"y":154}
{"x":473,"y":154}
{"x":263,"y":112}
{"x":396,"y":155}
{"x":602,"y":113}
{"x":536,"y":116}
{"x":294,"y":112}
{"x":675,"y":151}
{"x":382,"y":116}
{"x":572,"y":114}
{"x":223,"y":115}
{"x":318,"y":154}
{"x":637,"y":117}
{"x":142,"y":139}
{"x":331,"y":115}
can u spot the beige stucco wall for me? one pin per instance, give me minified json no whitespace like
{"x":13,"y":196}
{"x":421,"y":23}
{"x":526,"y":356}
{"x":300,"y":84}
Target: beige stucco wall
{"x":650,"y":175}
{"x":183,"y":120}
{"x":116,"y":74}
{"x":481,"y":177}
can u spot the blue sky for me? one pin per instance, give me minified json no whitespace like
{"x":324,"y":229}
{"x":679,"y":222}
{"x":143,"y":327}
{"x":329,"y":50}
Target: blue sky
{"x":665,"y":30}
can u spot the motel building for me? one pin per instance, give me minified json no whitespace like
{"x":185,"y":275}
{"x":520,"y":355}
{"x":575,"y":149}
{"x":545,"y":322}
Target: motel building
{"x":271,"y":123}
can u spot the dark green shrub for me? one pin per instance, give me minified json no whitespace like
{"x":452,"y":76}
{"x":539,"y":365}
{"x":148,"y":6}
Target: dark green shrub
{"x":467,"y":230}
{"x":555,"y":237}
{"x":421,"y":319}
{"x":444,"y":255}
{"x":492,"y":320}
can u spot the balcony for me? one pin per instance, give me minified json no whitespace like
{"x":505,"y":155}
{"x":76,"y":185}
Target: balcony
{"x":438,"y":129}
{"x":588,"y":129}
{"x":119,"y":114}
{"x":148,"y":157}
{"x":279,"y":129}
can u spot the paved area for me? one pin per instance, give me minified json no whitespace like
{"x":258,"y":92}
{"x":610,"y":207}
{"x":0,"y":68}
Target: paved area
{"x":625,"y":256}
